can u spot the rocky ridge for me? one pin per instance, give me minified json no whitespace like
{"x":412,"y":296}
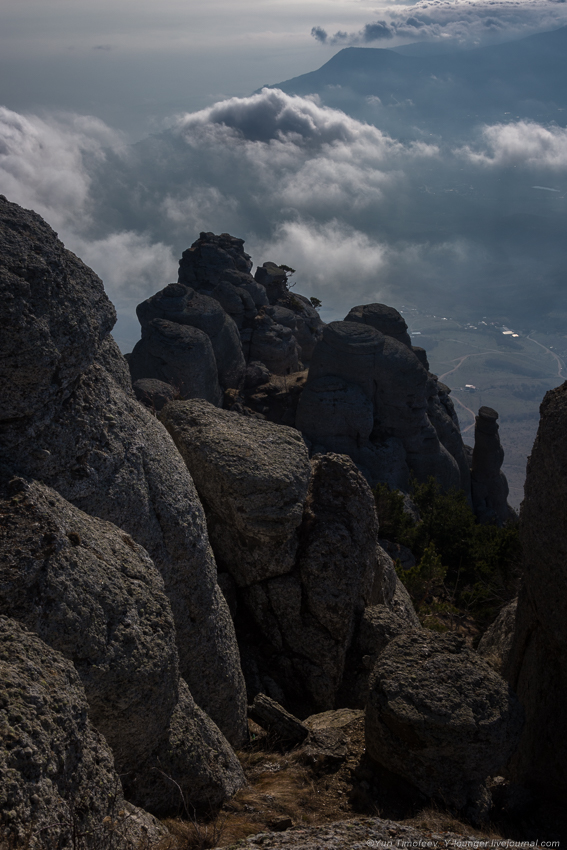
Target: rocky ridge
{"x":119,"y":530}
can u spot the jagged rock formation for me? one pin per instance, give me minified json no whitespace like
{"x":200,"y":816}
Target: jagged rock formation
{"x":316,"y":600}
{"x":276,"y":327}
{"x":441,"y":718}
{"x":537,"y":667}
{"x":489,"y":485}
{"x":298,"y":539}
{"x":90,"y":592}
{"x":367,"y":396}
{"x":57,"y":777}
{"x":71,"y":421}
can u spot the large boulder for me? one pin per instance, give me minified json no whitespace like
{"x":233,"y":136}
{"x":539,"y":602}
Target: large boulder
{"x":54,"y":316}
{"x":439,"y":717}
{"x":316,"y":609}
{"x":57,"y":777}
{"x":90,"y":592}
{"x":180,"y":356}
{"x":383,"y":318}
{"x":82,"y":432}
{"x":252,"y":477}
{"x":182,"y":305}
{"x":537,"y":668}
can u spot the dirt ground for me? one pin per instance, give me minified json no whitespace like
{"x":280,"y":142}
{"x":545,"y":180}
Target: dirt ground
{"x":318,"y":783}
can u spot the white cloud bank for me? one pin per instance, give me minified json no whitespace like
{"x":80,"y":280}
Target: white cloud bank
{"x":522,"y":143}
{"x":466,"y":22}
{"x":360,"y":215}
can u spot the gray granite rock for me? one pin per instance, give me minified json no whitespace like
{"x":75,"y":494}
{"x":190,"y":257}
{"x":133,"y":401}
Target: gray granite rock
{"x":54,"y":316}
{"x":96,"y":445}
{"x":90,"y":592}
{"x":153,"y":394}
{"x":274,"y":345}
{"x":338,"y":567}
{"x":57,"y":777}
{"x":308,"y":324}
{"x":537,"y":666}
{"x":441,"y":414}
{"x":252,"y":477}
{"x":180,"y":356}
{"x":274,"y":280}
{"x":441,"y":718}
{"x":206,"y":262}
{"x":182,"y":305}
{"x":383,"y":318}
{"x":496,"y":642}
{"x":396,"y":388}
{"x":488,"y":482}
{"x":357,"y":833}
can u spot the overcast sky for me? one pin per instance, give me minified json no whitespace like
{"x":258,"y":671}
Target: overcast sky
{"x":134,"y":62}
{"x":346,"y":203}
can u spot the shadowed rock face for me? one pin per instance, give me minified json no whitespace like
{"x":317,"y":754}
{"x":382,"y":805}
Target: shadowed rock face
{"x":54,"y":315}
{"x":100,"y":449}
{"x":360,"y":377}
{"x":488,"y":482}
{"x":181,"y":305}
{"x":93,"y":594}
{"x":206,"y":261}
{"x":57,"y":776}
{"x":382,"y":318}
{"x":298,"y":539}
{"x":252,"y":477}
{"x":441,"y":718}
{"x":180,"y":356}
{"x":538,"y":662}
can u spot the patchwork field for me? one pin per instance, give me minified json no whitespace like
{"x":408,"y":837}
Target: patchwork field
{"x":507,"y":369}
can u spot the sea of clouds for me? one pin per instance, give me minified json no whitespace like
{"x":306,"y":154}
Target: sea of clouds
{"x":361,"y":215}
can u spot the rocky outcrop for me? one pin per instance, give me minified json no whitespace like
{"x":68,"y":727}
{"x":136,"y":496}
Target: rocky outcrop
{"x":441,"y":718}
{"x":299,"y":540}
{"x":252,"y":477}
{"x":367,"y":396}
{"x":57,"y":777}
{"x":72,"y":422}
{"x":180,"y":305}
{"x":276,"y":327}
{"x":54,"y":317}
{"x":90,"y":592}
{"x":179,"y":356}
{"x":537,"y":668}
{"x":489,"y":485}
{"x":385,"y":319}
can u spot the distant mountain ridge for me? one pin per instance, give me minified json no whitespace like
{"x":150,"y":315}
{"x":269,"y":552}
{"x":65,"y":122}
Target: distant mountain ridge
{"x":523,"y":78}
